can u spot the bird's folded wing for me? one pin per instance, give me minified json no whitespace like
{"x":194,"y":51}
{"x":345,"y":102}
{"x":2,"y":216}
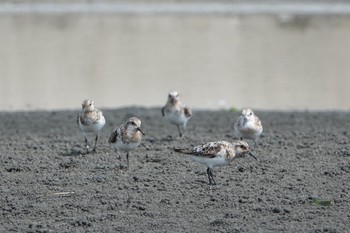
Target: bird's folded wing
{"x":114,"y":136}
{"x":187,"y":111}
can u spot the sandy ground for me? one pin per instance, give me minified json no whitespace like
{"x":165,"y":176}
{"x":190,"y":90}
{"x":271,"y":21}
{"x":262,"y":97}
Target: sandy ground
{"x":300,"y":182}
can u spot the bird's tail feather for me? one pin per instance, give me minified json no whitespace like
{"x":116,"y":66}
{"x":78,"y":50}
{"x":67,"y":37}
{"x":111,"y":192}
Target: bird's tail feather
{"x":182,"y":150}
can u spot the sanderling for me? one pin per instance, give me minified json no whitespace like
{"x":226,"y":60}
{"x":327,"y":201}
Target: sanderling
{"x":175,"y":112}
{"x":248,"y":126}
{"x":217,"y":153}
{"x":126,"y":138}
{"x":90,"y":120}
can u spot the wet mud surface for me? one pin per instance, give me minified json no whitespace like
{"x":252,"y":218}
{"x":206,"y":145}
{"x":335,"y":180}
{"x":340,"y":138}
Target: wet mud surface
{"x":300,"y":182}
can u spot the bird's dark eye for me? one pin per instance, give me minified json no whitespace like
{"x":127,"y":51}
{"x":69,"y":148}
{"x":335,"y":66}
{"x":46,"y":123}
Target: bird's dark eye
{"x":133,"y":123}
{"x":250,"y":114}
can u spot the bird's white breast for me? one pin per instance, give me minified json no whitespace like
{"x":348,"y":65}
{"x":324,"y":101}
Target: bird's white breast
{"x":94,"y":127}
{"x":120,"y":145}
{"x":176,"y":118}
{"x":211,"y":162}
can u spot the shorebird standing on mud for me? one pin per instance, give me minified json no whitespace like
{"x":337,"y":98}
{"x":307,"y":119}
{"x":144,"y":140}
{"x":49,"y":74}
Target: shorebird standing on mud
{"x":176,"y":112}
{"x":126,"y":137}
{"x":248,"y":126}
{"x":90,"y":120}
{"x":217,"y":153}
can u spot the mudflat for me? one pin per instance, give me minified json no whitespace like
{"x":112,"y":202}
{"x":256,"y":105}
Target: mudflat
{"x":300,"y":182}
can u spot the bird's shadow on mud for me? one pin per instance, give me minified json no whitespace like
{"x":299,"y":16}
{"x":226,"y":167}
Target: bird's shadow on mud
{"x":75,"y":152}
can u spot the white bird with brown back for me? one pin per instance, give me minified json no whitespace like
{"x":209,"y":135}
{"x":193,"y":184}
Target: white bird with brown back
{"x":90,"y":120}
{"x":126,"y":137}
{"x":248,"y":126}
{"x":176,"y":112}
{"x":218,"y":153}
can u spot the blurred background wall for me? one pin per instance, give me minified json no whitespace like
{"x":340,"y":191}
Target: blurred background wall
{"x":54,"y":56}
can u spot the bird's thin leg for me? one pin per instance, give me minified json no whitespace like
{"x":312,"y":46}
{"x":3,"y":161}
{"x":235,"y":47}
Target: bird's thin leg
{"x":212,"y":177}
{"x":180,"y":133}
{"x":119,"y":158}
{"x":86,"y":143}
{"x":96,"y":138}
{"x":209,"y":178}
{"x":255,"y":142}
{"x":127,"y":159}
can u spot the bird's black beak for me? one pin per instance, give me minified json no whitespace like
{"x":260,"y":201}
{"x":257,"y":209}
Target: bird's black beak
{"x":139,"y":129}
{"x":251,"y":154}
